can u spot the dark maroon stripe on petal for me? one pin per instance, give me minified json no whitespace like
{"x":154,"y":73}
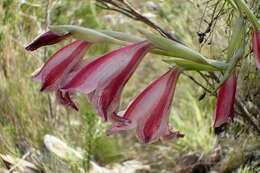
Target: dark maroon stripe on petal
{"x":55,"y":73}
{"x":103,"y":79}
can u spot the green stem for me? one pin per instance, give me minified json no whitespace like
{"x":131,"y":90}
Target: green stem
{"x":218,"y":65}
{"x":238,"y":34}
{"x":166,"y":47}
{"x":243,"y":7}
{"x":178,"y":50}
{"x":235,"y":59}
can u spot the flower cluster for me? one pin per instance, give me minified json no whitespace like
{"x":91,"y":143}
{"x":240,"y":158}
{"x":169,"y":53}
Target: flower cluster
{"x":103,"y":78}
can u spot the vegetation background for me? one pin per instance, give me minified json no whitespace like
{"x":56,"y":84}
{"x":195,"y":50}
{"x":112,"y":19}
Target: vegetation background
{"x":27,"y":115}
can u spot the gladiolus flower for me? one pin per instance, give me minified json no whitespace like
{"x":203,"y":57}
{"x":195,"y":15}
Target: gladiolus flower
{"x":149,"y":112}
{"x":225,"y":102}
{"x":59,"y":66}
{"x":103,"y":78}
{"x":256,"y":47}
{"x":48,"y":38}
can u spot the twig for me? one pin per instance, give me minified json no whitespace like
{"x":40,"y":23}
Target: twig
{"x":247,"y":115}
{"x":106,"y":7}
{"x":123,"y":7}
{"x":212,"y":23}
{"x":17,"y":164}
{"x":126,"y":9}
{"x":205,"y":77}
{"x":196,"y":82}
{"x":47,"y":22}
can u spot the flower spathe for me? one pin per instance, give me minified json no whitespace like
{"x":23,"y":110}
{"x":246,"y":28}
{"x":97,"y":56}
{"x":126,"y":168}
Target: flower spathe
{"x":103,"y":78}
{"x":47,"y":38}
{"x":225,"y":102}
{"x":256,"y":47}
{"x":149,"y":111}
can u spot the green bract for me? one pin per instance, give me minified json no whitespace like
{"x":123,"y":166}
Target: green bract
{"x":189,"y":65}
{"x":87,"y":34}
{"x":176,"y":49}
{"x":122,"y":36}
{"x":235,"y":59}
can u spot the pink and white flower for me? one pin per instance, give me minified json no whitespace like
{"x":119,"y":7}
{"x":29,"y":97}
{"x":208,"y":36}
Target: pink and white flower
{"x":58,"y":66}
{"x":103,"y":78}
{"x":149,"y":111}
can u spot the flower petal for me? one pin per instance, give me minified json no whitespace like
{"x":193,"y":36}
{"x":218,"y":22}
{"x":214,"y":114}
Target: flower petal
{"x":48,"y":38}
{"x":64,"y":99}
{"x":104,"y":78}
{"x":225,"y":102}
{"x":60,"y":64}
{"x":256,"y":47}
{"x":103,"y":69}
{"x":169,"y":134}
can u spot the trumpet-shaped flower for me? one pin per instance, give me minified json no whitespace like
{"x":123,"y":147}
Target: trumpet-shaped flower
{"x":256,"y":47}
{"x":149,"y":112}
{"x":47,"y":38}
{"x":103,"y":78}
{"x":225,"y":102}
{"x":60,"y":65}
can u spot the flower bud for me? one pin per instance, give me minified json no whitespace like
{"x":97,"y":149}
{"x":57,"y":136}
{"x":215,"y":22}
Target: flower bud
{"x":48,"y":38}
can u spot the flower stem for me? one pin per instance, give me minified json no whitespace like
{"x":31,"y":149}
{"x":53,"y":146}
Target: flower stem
{"x":252,"y":18}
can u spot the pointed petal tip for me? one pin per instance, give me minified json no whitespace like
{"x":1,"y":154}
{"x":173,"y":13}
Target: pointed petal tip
{"x":64,"y":99}
{"x":119,"y":126}
{"x":43,"y":88}
{"x":120,"y":119}
{"x":73,"y":106}
{"x":113,"y":129}
{"x":173,"y":135}
{"x":46,"y":87}
{"x":146,"y":140}
{"x":47,"y":38}
{"x":30,"y":48}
